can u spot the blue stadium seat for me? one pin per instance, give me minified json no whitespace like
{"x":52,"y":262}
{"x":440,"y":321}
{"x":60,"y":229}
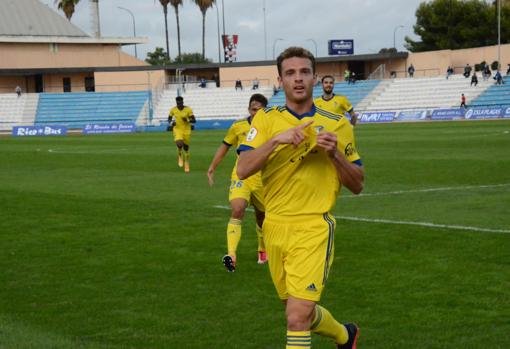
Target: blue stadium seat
{"x":75,"y":110}
{"x":494,"y":95}
{"x":354,"y":92}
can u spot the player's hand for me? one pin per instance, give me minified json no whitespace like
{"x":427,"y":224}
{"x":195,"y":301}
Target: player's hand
{"x":210,"y":176}
{"x":327,"y":141}
{"x":293,"y":135}
{"x":354,"y":119}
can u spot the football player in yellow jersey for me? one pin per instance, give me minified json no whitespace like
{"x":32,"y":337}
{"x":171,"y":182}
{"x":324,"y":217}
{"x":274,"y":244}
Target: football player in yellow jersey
{"x":305,"y":155}
{"x":180,"y":119}
{"x":242,"y":192}
{"x":334,"y":103}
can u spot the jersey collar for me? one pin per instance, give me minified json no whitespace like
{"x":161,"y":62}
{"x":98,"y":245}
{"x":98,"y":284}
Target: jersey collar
{"x":299,"y":117}
{"x":327,"y":100}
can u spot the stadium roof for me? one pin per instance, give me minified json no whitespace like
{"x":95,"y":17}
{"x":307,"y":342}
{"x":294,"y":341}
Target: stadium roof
{"x":32,"y":18}
{"x":30,"y":21}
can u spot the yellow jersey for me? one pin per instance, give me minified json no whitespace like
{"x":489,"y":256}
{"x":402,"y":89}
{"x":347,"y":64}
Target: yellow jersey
{"x":181,"y":118}
{"x":236,"y":135}
{"x":300,"y":180}
{"x":336,"y":104}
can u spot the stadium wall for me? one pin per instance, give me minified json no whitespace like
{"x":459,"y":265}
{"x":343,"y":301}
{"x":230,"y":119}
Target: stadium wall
{"x":47,"y":55}
{"x":435,"y":63}
{"x":128,"y":81}
{"x":266,"y":74}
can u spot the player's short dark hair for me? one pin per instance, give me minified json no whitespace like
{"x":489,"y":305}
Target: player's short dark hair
{"x":257,"y":97}
{"x":328,"y":76}
{"x":179,"y":99}
{"x":294,"y":52}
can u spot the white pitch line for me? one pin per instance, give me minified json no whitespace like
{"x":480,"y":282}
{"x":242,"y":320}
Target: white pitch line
{"x":430,"y":190}
{"x":421,"y":224}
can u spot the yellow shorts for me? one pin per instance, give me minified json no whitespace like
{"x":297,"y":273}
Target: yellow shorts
{"x":300,"y":254}
{"x":249,"y":189}
{"x":182,"y":135}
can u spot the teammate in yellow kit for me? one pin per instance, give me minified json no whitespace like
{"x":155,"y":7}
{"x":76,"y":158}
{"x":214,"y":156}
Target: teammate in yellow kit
{"x":242,"y":192}
{"x":305,"y":155}
{"x":180,"y":119}
{"x":334,"y":103}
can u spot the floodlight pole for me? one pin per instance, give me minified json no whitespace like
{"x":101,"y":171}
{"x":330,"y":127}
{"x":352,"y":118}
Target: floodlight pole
{"x":394,"y":34}
{"x":134,"y":24}
{"x":265,"y":30}
{"x":499,"y":34}
{"x":274,"y":45}
{"x":218,"y":17}
{"x":315,"y":44}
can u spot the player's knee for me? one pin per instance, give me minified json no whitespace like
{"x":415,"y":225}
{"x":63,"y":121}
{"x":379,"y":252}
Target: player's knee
{"x":297,"y":321}
{"x":238,"y":211}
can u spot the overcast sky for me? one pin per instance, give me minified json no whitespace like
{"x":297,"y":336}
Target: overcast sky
{"x":371,"y":23}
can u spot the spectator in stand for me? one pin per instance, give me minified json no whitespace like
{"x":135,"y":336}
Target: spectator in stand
{"x":347,"y":75}
{"x":255,"y":84}
{"x":486,"y":72}
{"x":463,"y":101}
{"x":18,"y":91}
{"x":203,"y":83}
{"x":499,"y":78}
{"x":474,"y":79}
{"x":352,"y":78}
{"x":239,"y":84}
{"x":410,"y":70}
{"x":449,"y":72}
{"x":467,"y":71}
{"x":508,"y":70}
{"x":275,"y":90}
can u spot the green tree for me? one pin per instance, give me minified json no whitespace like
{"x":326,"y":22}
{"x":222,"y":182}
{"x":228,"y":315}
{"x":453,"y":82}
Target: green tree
{"x":67,"y":6}
{"x":188,"y":58}
{"x":176,"y":4}
{"x":204,"y":5}
{"x":158,"y":57}
{"x":456,"y":24}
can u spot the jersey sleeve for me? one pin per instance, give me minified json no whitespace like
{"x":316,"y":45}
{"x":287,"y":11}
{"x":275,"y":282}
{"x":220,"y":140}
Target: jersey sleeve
{"x":231,"y":136}
{"x":346,"y":142}
{"x":258,"y":134}
{"x":171,"y":112}
{"x":347,"y":105}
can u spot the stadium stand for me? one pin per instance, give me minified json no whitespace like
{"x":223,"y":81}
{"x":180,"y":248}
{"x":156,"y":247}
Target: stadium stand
{"x":209,"y":103}
{"x":74,"y":110}
{"x":436,"y":92}
{"x":356,"y":93}
{"x":494,"y":95}
{"x":17,"y":111}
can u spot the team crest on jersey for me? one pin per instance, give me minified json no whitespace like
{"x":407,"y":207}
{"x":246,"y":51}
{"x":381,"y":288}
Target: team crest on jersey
{"x":350,"y":150}
{"x":251,"y":135}
{"x":318,"y":129}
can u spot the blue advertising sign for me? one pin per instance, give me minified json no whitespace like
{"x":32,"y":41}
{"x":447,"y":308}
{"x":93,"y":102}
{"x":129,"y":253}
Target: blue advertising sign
{"x":506,"y":113}
{"x":412,"y":115}
{"x":384,"y":116}
{"x":126,"y":127}
{"x":483,"y":113}
{"x":48,"y":130}
{"x":340,"y":47}
{"x":447,"y":114}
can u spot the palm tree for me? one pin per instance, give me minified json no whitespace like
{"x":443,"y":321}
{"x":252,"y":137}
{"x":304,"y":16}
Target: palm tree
{"x":67,"y":6}
{"x":175,"y":4}
{"x":204,"y":5}
{"x":164,"y":3}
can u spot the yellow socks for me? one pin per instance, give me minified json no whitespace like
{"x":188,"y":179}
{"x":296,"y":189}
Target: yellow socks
{"x":325,"y":324}
{"x":299,"y":339}
{"x":233,"y":235}
{"x":260,"y":240}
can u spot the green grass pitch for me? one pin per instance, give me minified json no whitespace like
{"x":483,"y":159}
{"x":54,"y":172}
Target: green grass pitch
{"x":106,"y":243}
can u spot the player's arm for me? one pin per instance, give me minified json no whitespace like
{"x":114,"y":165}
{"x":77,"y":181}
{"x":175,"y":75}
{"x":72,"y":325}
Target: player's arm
{"x":252,"y":160}
{"x":218,"y":157}
{"x":354,"y":117}
{"x":351,"y":175}
{"x":192,"y":119}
